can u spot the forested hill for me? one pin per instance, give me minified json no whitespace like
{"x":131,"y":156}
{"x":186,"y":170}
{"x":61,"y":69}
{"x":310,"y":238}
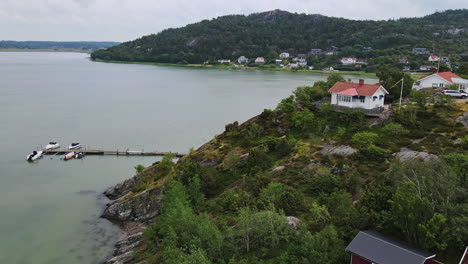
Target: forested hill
{"x":270,"y":33}
{"x":84,"y":45}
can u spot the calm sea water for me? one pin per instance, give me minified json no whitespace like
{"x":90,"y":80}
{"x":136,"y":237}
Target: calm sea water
{"x":49,"y":209}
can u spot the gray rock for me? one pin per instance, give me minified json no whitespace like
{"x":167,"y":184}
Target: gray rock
{"x":338,"y":150}
{"x":407,"y":154}
{"x":244,"y":156}
{"x":326,"y":129}
{"x":463,"y":119}
{"x":308,"y":167}
{"x":277,"y":169}
{"x":128,"y":244}
{"x":142,"y":207}
{"x":126,"y":258}
{"x":293,"y":222}
{"x":122,"y":188}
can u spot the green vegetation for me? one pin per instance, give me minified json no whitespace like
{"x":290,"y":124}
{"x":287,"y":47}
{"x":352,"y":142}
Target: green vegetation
{"x":55,"y":45}
{"x":228,"y":202}
{"x":270,"y":33}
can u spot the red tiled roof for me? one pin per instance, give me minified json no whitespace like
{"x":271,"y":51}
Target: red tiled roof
{"x":354,"y":88}
{"x":448,"y":75}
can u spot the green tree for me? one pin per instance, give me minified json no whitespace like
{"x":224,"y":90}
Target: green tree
{"x":390,"y":76}
{"x":414,"y":217}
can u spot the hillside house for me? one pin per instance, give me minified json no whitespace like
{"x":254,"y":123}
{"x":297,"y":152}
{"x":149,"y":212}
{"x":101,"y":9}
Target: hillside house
{"x":406,"y":68}
{"x":348,"y":60}
{"x":367,"y":48}
{"x":368,"y":97}
{"x":434,"y":58}
{"x":302,"y":62}
{"x":242,"y":60}
{"x":316,"y":51}
{"x":332,"y":50}
{"x":223,"y":61}
{"x":403,"y":61}
{"x":369,"y":247}
{"x":284,"y":55}
{"x":426,"y":68}
{"x":260,"y":60}
{"x":420,"y":51}
{"x":279,"y":62}
{"x":440,"y":80}
{"x":445,"y":60}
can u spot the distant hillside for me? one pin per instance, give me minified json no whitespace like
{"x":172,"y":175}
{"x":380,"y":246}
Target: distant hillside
{"x":270,"y":33}
{"x":84,"y":45}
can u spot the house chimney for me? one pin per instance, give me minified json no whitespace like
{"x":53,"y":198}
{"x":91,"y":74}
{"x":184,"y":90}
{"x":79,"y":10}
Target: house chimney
{"x":361,"y":82}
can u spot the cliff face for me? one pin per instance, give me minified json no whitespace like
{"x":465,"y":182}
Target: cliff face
{"x":132,"y":212}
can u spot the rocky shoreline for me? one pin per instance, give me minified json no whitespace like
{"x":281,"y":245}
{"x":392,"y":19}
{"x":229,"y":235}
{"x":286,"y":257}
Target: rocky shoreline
{"x":132,"y":213}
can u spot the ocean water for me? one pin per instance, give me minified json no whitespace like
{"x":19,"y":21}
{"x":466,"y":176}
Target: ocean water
{"x":49,"y":209}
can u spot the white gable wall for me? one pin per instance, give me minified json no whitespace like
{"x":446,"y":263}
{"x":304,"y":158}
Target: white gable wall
{"x":432,"y":81}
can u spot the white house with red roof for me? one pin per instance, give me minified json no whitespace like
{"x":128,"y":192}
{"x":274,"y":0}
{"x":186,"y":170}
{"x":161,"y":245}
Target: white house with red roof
{"x":260,"y":60}
{"x":440,"y":80}
{"x":348,"y":60}
{"x":358,"y":95}
{"x":434,"y":58}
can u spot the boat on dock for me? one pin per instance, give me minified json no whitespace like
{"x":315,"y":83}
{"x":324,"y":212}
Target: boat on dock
{"x":75,"y":146}
{"x":79,"y":155}
{"x":53,"y":145}
{"x":34,"y":155}
{"x":69,"y":156}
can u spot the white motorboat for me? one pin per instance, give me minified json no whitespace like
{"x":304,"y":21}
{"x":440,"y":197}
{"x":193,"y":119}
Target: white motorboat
{"x":34,"y":155}
{"x":79,"y":155}
{"x":53,"y":145}
{"x":75,"y":146}
{"x":69,"y":156}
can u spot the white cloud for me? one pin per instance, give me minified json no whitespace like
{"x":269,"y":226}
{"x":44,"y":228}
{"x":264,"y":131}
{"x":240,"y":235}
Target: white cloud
{"x":123,"y":20}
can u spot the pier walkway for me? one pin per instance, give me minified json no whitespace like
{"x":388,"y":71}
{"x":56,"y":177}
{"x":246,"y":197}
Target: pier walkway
{"x":111,"y":152}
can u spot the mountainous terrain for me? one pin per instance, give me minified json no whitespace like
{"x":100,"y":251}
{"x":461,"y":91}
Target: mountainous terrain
{"x":84,"y":45}
{"x":270,"y":33}
{"x":297,"y":183}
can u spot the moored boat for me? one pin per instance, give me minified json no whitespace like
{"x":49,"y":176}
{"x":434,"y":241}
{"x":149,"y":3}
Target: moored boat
{"x":69,"y":156}
{"x":34,"y":155}
{"x":53,"y":145}
{"x":79,"y":155}
{"x":75,"y":146}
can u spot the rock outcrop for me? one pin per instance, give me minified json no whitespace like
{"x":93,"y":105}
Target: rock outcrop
{"x":463,"y":119}
{"x":407,"y":154}
{"x":142,"y":207}
{"x":337,"y":150}
{"x":132,"y":212}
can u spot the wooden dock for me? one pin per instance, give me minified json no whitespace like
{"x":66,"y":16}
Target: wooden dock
{"x":111,"y":152}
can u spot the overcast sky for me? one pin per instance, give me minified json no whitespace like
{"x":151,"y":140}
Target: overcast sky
{"x":122,"y":20}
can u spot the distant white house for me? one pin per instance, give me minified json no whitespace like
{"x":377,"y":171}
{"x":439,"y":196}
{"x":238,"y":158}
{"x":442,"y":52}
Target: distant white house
{"x":420,"y":51}
{"x":278,"y":62}
{"x":348,"y":60}
{"x":242,"y":60}
{"x":316,"y":51}
{"x":358,"y":95}
{"x":434,"y":58}
{"x":260,"y":60}
{"x":328,"y":69}
{"x":224,"y":61}
{"x":441,"y":79}
{"x":284,"y":55}
{"x":403,"y":61}
{"x":302,"y":62}
{"x":426,"y":67}
{"x":406,"y":68}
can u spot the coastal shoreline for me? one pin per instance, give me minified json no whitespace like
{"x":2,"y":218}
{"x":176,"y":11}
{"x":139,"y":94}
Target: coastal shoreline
{"x":46,"y":50}
{"x":225,"y":67}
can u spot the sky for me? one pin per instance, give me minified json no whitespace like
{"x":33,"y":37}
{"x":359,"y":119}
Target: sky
{"x":123,"y":20}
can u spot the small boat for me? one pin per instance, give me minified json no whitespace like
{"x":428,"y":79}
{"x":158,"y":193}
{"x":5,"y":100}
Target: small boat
{"x":34,"y":155}
{"x":75,"y":146}
{"x":79,"y":155}
{"x":69,"y":156}
{"x":53,"y":145}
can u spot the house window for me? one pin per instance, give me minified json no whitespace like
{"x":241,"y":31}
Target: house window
{"x":362,"y":99}
{"x":344,"y":98}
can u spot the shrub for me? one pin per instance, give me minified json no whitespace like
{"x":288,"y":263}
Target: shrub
{"x":139,"y":168}
{"x":394,"y":129}
{"x":364,"y":139}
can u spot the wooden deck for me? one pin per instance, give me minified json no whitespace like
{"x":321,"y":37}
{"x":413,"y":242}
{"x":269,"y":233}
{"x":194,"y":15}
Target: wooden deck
{"x":111,"y":152}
